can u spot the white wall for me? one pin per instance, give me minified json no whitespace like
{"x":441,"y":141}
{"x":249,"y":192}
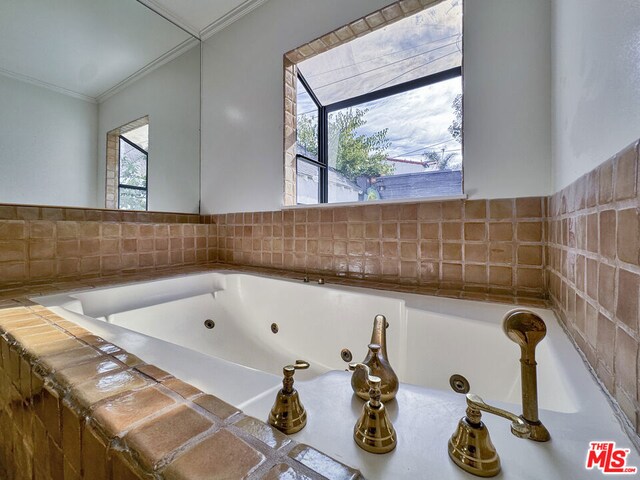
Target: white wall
{"x":596,"y":83}
{"x":507,"y":98}
{"x":48,"y":146}
{"x":170,"y":95}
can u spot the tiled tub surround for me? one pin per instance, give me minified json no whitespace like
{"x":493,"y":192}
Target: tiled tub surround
{"x":594,"y":272}
{"x":488,"y":249}
{"x":482,"y":246}
{"x":41,"y":244}
{"x":74,"y":406}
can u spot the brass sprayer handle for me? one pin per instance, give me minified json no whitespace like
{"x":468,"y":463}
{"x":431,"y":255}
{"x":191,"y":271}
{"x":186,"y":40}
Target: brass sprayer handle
{"x":475,"y":404}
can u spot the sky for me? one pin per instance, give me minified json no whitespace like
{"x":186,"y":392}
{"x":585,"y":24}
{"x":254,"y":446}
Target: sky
{"x":420,"y":45}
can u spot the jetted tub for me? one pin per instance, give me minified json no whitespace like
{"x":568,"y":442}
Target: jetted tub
{"x":240,"y":360}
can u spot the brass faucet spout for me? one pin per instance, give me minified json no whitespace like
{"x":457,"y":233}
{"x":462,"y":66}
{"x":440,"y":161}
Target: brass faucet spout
{"x":378,"y":361}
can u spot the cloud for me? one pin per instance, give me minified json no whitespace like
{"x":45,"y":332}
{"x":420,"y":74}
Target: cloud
{"x":425,"y":43}
{"x":415,"y":119}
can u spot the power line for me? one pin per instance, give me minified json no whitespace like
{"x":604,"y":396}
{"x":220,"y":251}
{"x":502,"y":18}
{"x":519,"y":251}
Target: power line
{"x":388,"y":65}
{"x":416,"y":154}
{"x":411,"y":70}
{"x":383,"y":56}
{"x":406,"y":154}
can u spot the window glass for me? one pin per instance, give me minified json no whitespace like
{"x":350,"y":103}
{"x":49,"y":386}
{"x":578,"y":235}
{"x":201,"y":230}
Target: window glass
{"x":133,"y":168}
{"x":133,"y":165}
{"x":307,"y":124}
{"x":130,"y":199}
{"x":387,"y":151}
{"x":307,"y":183}
{"x":139,"y":136}
{"x":422,"y":44}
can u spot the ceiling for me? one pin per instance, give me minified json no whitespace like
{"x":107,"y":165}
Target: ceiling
{"x":202,"y":18}
{"x":91,"y":48}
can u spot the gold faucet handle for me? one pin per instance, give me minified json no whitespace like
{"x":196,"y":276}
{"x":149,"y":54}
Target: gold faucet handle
{"x":288,"y":371}
{"x":475,"y":404}
{"x":374,"y":382}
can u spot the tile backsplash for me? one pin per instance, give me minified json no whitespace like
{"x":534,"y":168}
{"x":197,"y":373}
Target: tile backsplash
{"x":35,"y":249}
{"x":594,"y":274}
{"x":493,"y":246}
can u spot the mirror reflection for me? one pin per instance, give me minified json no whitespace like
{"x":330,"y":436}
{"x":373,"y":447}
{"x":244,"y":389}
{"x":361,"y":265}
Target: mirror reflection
{"x":100,"y":107}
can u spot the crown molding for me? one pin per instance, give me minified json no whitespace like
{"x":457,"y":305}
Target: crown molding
{"x":230,"y":17}
{"x":158,"y":62}
{"x":49,"y":86}
{"x":170,"y":16}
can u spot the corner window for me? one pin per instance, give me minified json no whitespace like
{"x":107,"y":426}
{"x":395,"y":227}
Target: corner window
{"x":379,"y":117}
{"x":128,"y":166}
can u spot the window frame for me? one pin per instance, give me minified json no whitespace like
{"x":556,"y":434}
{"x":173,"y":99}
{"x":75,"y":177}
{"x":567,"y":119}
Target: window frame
{"x":325,"y":110}
{"x":122,"y":138}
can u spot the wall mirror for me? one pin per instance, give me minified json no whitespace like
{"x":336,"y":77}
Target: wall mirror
{"x":99,"y":107}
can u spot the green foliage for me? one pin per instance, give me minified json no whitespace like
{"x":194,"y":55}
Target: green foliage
{"x":133,"y":172}
{"x":308,"y":134}
{"x":354,"y":154}
{"x":455,"y":129}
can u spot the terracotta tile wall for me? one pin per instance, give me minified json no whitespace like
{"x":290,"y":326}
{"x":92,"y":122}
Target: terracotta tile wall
{"x":36,"y":250}
{"x":594,"y":274}
{"x":35,"y":212}
{"x":74,"y":406}
{"x":494,"y":246}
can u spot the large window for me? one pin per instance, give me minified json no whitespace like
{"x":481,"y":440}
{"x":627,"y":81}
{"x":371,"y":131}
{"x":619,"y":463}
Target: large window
{"x":380,"y":117}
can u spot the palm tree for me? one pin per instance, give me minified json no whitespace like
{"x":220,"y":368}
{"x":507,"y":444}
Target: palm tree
{"x":441,"y":159}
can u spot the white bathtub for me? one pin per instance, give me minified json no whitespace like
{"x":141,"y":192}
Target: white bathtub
{"x":429,"y":339}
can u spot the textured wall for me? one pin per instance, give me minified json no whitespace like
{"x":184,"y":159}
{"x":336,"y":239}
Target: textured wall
{"x":594,"y":272}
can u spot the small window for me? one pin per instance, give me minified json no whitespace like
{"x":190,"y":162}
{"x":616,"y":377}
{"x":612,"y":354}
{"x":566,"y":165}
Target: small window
{"x":128,"y":166}
{"x":133,"y":169}
{"x":380,"y":117}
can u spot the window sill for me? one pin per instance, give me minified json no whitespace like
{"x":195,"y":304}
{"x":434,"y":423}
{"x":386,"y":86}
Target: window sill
{"x":377,"y":202}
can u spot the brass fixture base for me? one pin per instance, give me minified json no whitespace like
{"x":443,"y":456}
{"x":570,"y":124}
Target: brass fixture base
{"x":470,"y":446}
{"x":539,"y":432}
{"x":288,"y":414}
{"x":374,"y":432}
{"x":471,"y":449}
